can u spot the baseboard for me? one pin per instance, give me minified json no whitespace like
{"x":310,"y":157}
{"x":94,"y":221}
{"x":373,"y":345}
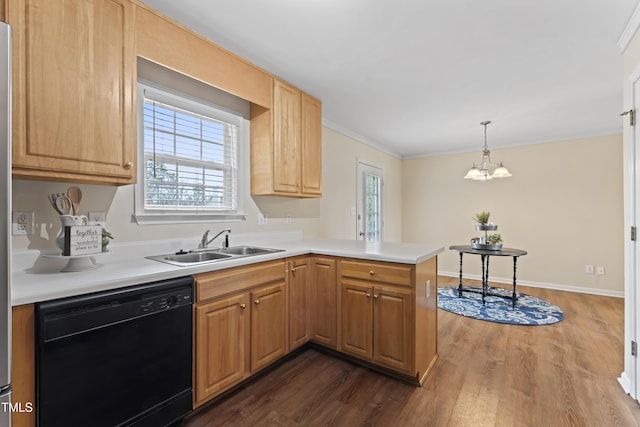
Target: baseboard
{"x":554,"y":286}
{"x":625,"y":383}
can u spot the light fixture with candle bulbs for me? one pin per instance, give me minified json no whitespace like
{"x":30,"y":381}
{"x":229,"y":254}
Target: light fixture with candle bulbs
{"x":482,"y":171}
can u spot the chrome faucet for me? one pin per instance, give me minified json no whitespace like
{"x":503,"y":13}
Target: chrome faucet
{"x":204,"y":242}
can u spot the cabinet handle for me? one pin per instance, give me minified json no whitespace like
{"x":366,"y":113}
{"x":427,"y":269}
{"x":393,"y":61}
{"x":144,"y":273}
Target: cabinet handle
{"x":293,"y":270}
{"x":127,"y":165}
{"x":371,"y":272}
{"x":256,"y":301}
{"x":243,"y":306}
{"x":368,"y":295}
{"x":375,"y":296}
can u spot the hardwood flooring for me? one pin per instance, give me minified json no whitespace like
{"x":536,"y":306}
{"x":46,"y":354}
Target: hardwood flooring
{"x":487,"y":374}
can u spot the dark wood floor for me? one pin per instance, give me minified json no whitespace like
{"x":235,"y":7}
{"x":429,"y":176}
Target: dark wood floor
{"x":487,"y":374}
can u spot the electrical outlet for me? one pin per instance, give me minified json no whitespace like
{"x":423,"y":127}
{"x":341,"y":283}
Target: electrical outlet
{"x":600,"y":270}
{"x":589,"y":269}
{"x":288,"y":218}
{"x":22,"y":223}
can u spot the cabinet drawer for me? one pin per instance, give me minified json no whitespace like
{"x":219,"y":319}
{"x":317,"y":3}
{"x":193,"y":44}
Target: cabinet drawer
{"x":217,"y":283}
{"x":397,"y":274}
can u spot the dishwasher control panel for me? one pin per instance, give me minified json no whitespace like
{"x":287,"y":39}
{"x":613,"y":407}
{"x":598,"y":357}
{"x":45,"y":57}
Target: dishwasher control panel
{"x":165,"y":302}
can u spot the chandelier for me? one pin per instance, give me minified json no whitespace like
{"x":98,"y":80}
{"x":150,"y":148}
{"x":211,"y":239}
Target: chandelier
{"x":482,"y":171}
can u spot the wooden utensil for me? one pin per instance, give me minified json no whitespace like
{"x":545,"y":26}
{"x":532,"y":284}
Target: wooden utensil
{"x":52,"y":199}
{"x":75,"y":195}
{"x":63,"y":204}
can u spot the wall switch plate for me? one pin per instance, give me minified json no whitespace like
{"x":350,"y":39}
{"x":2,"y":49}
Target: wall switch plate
{"x":22,"y":223}
{"x":600,"y":270}
{"x":428,"y":286}
{"x":589,"y":269}
{"x":288,"y":218}
{"x":97,"y":218}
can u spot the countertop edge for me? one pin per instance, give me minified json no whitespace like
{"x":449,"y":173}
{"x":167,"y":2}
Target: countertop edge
{"x":152,"y":271}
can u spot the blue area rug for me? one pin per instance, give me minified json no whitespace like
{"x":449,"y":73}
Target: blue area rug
{"x":529,"y":310}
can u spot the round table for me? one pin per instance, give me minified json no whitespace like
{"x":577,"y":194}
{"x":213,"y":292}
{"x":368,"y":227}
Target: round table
{"x":484,"y":258}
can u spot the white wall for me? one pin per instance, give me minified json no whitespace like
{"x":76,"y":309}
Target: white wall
{"x":341,"y":154}
{"x":329,"y":216}
{"x":563,"y":204}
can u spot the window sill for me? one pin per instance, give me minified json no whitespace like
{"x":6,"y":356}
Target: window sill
{"x":171,"y":218}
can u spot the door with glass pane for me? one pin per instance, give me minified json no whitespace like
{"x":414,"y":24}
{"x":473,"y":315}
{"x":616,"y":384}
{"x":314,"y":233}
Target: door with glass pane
{"x":369,"y":194}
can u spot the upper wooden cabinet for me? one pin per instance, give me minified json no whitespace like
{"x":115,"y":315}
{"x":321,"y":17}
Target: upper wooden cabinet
{"x":73,"y":90}
{"x":286,"y":145}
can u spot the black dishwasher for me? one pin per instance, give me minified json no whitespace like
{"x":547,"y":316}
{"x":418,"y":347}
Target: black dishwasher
{"x":116,"y":358}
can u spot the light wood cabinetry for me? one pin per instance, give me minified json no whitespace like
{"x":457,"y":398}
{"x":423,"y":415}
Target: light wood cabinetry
{"x":286,"y":144}
{"x":388,"y":314}
{"x":241,"y":324}
{"x":222,"y":344}
{"x":23,"y":365}
{"x":268,"y":325}
{"x":73,"y":90}
{"x":299,"y":285}
{"x":377,"y":320}
{"x":324,"y":294}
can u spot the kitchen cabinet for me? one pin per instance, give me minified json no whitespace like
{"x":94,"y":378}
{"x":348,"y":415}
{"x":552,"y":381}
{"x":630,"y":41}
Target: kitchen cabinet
{"x":324,"y":294}
{"x":299,"y":285}
{"x":73,"y":88}
{"x":387,"y":314}
{"x":23,"y":365}
{"x":241,"y":320}
{"x":222,"y":344}
{"x":268,"y":325}
{"x":286,"y":144}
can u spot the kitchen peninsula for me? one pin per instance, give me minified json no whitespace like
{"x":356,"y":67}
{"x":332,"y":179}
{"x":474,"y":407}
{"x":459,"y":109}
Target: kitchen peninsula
{"x":374,"y":303}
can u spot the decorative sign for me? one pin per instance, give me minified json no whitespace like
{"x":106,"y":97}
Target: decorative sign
{"x":82,"y":240}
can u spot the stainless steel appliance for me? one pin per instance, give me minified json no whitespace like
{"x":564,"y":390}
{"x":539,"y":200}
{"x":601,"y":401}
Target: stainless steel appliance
{"x":5,"y":220}
{"x":116,"y":358}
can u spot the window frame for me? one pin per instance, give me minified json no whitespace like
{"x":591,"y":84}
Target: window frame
{"x":207,"y":108}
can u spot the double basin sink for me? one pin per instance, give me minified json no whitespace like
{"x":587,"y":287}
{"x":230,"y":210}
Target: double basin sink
{"x":204,"y":256}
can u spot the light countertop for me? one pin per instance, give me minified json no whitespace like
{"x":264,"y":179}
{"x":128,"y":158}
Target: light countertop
{"x":37,"y":279}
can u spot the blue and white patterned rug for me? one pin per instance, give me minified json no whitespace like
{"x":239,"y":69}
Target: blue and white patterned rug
{"x":529,"y":310}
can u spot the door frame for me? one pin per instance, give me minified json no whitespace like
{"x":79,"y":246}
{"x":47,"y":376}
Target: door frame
{"x":629,"y":378}
{"x":363,"y":166}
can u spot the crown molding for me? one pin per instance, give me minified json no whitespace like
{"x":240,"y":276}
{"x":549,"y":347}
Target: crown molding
{"x":354,"y":135}
{"x":630,"y":29}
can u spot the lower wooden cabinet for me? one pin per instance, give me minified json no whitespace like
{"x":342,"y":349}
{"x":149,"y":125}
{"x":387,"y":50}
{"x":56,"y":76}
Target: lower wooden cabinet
{"x":388,"y":314}
{"x":299,"y":286}
{"x":376,"y":324}
{"x":241,"y":318}
{"x":324,"y":294}
{"x":268,"y":325}
{"x":222,"y":344}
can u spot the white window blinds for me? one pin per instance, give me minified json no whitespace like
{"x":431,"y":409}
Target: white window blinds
{"x":190,"y":156}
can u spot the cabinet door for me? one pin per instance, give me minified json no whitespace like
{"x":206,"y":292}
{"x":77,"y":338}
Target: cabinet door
{"x":356,"y":319}
{"x":392,"y":331}
{"x":268,"y":324}
{"x":311,"y":145}
{"x":73,"y":89}
{"x":286,"y":128}
{"x":324,"y":294}
{"x":299,"y":302}
{"x":222,"y":345}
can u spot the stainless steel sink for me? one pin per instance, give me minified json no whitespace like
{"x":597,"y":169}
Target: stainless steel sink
{"x":204,"y":256}
{"x":247,"y":250}
{"x":197,"y":257}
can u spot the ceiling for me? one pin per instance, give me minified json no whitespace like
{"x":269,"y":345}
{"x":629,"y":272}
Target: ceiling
{"x":416,"y":77}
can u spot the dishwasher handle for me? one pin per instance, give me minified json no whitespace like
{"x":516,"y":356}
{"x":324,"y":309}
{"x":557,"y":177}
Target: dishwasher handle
{"x":76,"y":315}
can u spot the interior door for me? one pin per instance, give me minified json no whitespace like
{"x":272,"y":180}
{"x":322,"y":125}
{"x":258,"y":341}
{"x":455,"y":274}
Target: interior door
{"x":370,"y":183}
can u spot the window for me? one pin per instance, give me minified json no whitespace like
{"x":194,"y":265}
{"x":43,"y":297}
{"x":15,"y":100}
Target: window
{"x":188,"y":159}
